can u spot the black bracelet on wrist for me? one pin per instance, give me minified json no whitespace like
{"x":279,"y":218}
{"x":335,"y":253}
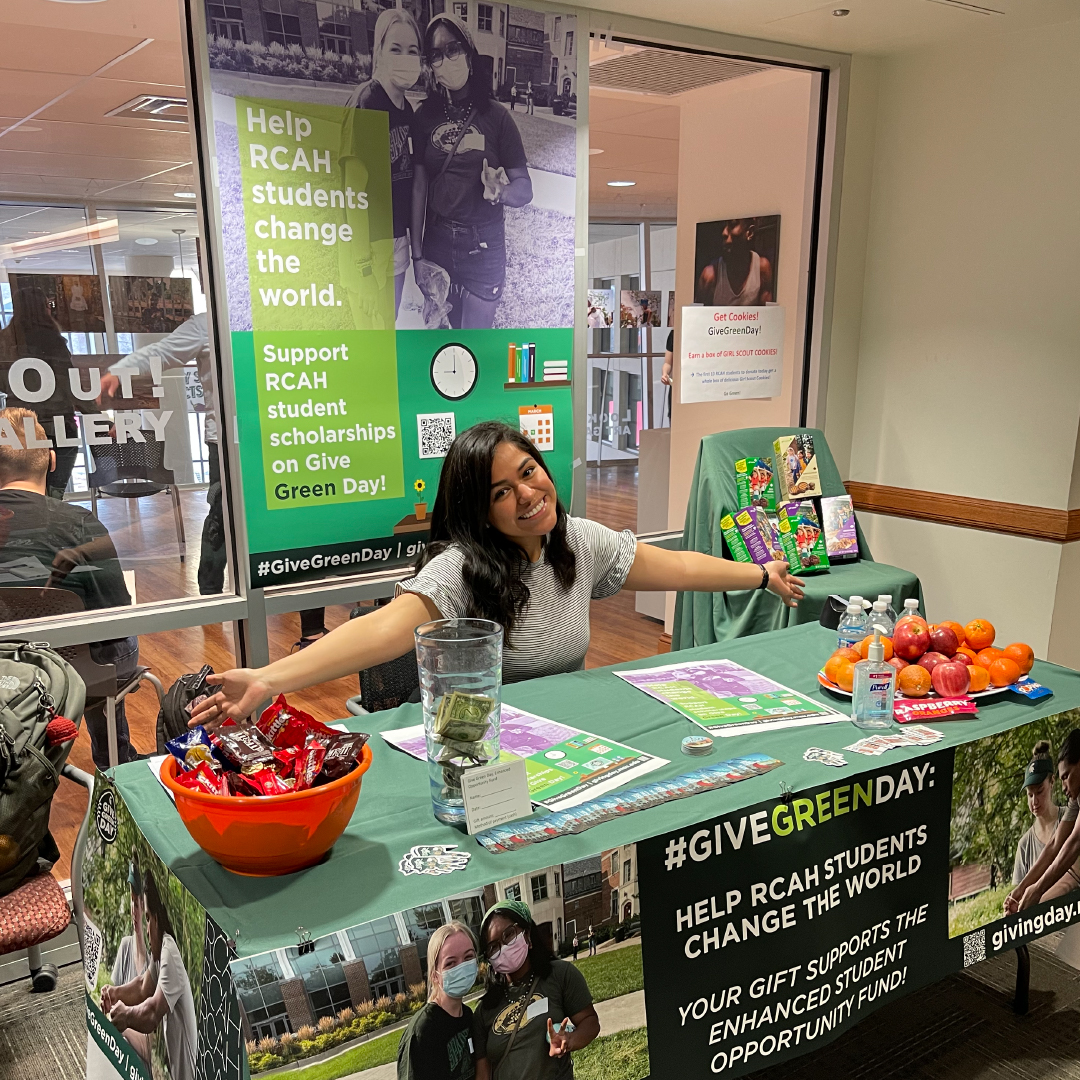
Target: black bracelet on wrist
{"x":764,"y":579}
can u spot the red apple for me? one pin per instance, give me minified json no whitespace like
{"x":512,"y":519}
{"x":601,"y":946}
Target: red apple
{"x":950,"y":680}
{"x":897,"y":663}
{"x":910,"y":639}
{"x":931,"y":660}
{"x":962,"y":658}
{"x":943,"y":640}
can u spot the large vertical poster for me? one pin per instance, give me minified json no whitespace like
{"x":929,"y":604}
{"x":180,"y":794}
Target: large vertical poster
{"x":396,"y":197}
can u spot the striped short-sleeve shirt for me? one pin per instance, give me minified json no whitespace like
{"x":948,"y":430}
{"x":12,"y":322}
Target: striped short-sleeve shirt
{"x":551,"y":635}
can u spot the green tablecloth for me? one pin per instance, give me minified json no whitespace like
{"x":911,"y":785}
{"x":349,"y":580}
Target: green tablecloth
{"x":701,"y":618}
{"x":360,"y":880}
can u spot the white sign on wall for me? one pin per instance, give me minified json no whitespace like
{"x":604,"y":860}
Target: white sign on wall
{"x":732,"y":352}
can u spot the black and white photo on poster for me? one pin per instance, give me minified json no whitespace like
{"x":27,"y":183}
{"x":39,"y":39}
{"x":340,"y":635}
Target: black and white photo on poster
{"x":484,"y":194}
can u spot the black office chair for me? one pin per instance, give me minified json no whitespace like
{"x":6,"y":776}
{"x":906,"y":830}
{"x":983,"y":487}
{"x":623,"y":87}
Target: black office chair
{"x":135,"y":470}
{"x":388,"y":685}
{"x":21,"y":603}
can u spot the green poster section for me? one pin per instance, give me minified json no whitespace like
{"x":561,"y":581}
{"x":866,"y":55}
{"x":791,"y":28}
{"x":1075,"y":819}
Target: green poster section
{"x":286,"y":532}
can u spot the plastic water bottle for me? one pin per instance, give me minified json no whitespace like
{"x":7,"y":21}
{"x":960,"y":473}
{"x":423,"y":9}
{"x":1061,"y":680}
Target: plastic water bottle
{"x":911,"y":608}
{"x":880,"y":617}
{"x":889,"y":609}
{"x":852,"y":628}
{"x":874,"y":687}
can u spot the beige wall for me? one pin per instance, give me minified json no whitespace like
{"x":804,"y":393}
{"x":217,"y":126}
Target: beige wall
{"x":744,"y":148}
{"x":967,"y":376}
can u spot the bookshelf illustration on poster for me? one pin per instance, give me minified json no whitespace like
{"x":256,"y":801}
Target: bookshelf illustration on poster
{"x":727,"y":699}
{"x":565,"y":765}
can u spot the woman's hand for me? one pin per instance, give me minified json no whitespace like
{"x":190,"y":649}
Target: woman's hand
{"x":1032,"y":896}
{"x":665,"y":374}
{"x":1012,"y":903}
{"x":495,"y":181}
{"x":242,"y":691}
{"x":783,"y":584}
{"x":560,"y":1040}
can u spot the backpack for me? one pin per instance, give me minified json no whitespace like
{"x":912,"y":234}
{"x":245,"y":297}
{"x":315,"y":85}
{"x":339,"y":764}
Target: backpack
{"x":36,"y":686}
{"x":174,"y":714}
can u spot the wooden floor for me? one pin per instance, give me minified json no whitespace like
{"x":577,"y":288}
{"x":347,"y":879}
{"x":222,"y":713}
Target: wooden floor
{"x":145,"y":536}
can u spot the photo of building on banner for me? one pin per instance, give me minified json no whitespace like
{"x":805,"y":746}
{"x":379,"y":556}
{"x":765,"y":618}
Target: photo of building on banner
{"x":383,"y":205}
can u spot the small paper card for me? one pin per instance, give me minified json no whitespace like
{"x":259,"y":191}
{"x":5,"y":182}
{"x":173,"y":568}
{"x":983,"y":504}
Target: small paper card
{"x":495,"y":794}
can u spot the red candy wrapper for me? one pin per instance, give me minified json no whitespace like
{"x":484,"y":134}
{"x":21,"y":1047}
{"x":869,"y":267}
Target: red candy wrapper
{"x":203,"y":778}
{"x":267,"y":782}
{"x":908,"y":712}
{"x":286,"y":760}
{"x":285,"y":726}
{"x":309,"y":762}
{"x":239,"y":784}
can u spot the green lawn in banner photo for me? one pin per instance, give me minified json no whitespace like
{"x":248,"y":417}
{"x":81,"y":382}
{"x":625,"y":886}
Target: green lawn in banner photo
{"x":613,"y":974}
{"x":622,"y":1056}
{"x":970,"y":914}
{"x":303,"y":525}
{"x":380,"y":1051}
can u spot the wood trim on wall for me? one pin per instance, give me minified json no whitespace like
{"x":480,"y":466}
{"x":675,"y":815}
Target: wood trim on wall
{"x":1037,"y":522}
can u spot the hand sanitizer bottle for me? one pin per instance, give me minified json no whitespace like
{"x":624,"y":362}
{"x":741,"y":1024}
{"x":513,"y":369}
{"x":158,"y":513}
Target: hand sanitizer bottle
{"x":875,"y":685}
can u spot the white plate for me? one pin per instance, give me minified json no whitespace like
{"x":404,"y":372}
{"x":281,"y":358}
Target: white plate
{"x":990,"y":691}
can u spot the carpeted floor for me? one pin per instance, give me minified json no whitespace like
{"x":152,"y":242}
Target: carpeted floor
{"x":43,"y":1036}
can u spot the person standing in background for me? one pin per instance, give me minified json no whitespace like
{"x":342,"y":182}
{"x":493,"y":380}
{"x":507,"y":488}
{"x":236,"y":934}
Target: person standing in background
{"x":34,"y":332}
{"x":529,"y":98}
{"x":513,"y":98}
{"x":189,"y":341}
{"x":395,"y":68}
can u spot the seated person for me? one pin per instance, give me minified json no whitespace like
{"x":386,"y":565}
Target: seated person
{"x":44,"y":541}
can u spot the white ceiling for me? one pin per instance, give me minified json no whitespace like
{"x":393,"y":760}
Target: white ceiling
{"x":76,"y":150}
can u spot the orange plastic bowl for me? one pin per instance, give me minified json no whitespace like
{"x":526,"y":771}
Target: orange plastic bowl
{"x":269,"y":835}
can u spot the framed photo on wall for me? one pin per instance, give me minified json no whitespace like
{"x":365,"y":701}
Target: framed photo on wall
{"x":735,"y":261}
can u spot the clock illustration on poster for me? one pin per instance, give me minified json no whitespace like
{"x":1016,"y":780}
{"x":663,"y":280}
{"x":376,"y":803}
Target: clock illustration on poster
{"x":454,"y":371}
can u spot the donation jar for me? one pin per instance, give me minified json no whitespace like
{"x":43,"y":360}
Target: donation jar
{"x":460,"y":666}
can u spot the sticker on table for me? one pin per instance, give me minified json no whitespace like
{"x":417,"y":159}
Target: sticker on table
{"x":434,"y":859}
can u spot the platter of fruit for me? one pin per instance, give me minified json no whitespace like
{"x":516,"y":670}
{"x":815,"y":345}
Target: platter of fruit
{"x":942,"y":659}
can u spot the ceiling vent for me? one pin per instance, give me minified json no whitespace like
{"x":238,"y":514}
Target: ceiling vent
{"x":167,"y":110}
{"x":666,"y":71}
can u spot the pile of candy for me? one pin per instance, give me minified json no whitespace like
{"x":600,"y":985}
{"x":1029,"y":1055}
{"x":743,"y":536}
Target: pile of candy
{"x":287,"y":750}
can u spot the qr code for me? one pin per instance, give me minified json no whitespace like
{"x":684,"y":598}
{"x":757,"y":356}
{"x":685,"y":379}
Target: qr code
{"x":974,"y":948}
{"x":435,"y":433}
{"x":92,"y":946}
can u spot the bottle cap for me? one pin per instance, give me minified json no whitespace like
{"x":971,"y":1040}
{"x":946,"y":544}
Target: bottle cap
{"x":855,"y":600}
{"x":887,"y":597}
{"x":880,"y":606}
{"x":912,"y":603}
{"x":854,"y":609}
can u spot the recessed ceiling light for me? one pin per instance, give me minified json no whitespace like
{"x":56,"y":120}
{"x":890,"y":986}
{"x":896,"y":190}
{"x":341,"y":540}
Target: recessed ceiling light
{"x":622,"y":183}
{"x":180,"y":194}
{"x":595,"y":150}
{"x":840,"y":12}
{"x":145,"y":241}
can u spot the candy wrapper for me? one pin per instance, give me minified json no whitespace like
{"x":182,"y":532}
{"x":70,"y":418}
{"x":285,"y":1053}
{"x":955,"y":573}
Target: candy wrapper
{"x":309,"y":762}
{"x":285,"y":726}
{"x":907,"y":712}
{"x":342,"y":755}
{"x":203,"y":778}
{"x":267,"y":782}
{"x":245,"y":749}
{"x":239,"y":784}
{"x":192,"y":747}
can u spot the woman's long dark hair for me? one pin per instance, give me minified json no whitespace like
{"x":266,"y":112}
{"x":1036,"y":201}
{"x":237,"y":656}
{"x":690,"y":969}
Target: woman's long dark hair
{"x":493,"y":562}
{"x":540,"y":959}
{"x":479,"y":83}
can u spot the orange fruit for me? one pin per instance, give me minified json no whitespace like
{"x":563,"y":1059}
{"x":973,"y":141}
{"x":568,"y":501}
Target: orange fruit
{"x":970,"y":652}
{"x":1004,"y":672}
{"x":980,"y":633}
{"x":913,"y":681}
{"x":987,"y":656}
{"x":956,"y":628}
{"x":845,"y":675}
{"x":980,"y":678}
{"x":1022,"y":654}
{"x":849,"y":654}
{"x":832,"y":666}
{"x":864,"y":647}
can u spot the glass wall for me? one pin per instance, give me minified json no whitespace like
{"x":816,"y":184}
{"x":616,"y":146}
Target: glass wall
{"x":103,"y":337}
{"x":631,"y":302}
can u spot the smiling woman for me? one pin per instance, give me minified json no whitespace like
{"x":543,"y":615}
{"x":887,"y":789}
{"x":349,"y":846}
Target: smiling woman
{"x":502,"y":548}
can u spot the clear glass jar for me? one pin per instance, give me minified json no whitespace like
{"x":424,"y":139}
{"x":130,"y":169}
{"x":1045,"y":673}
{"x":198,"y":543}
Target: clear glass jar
{"x":460,"y":666}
